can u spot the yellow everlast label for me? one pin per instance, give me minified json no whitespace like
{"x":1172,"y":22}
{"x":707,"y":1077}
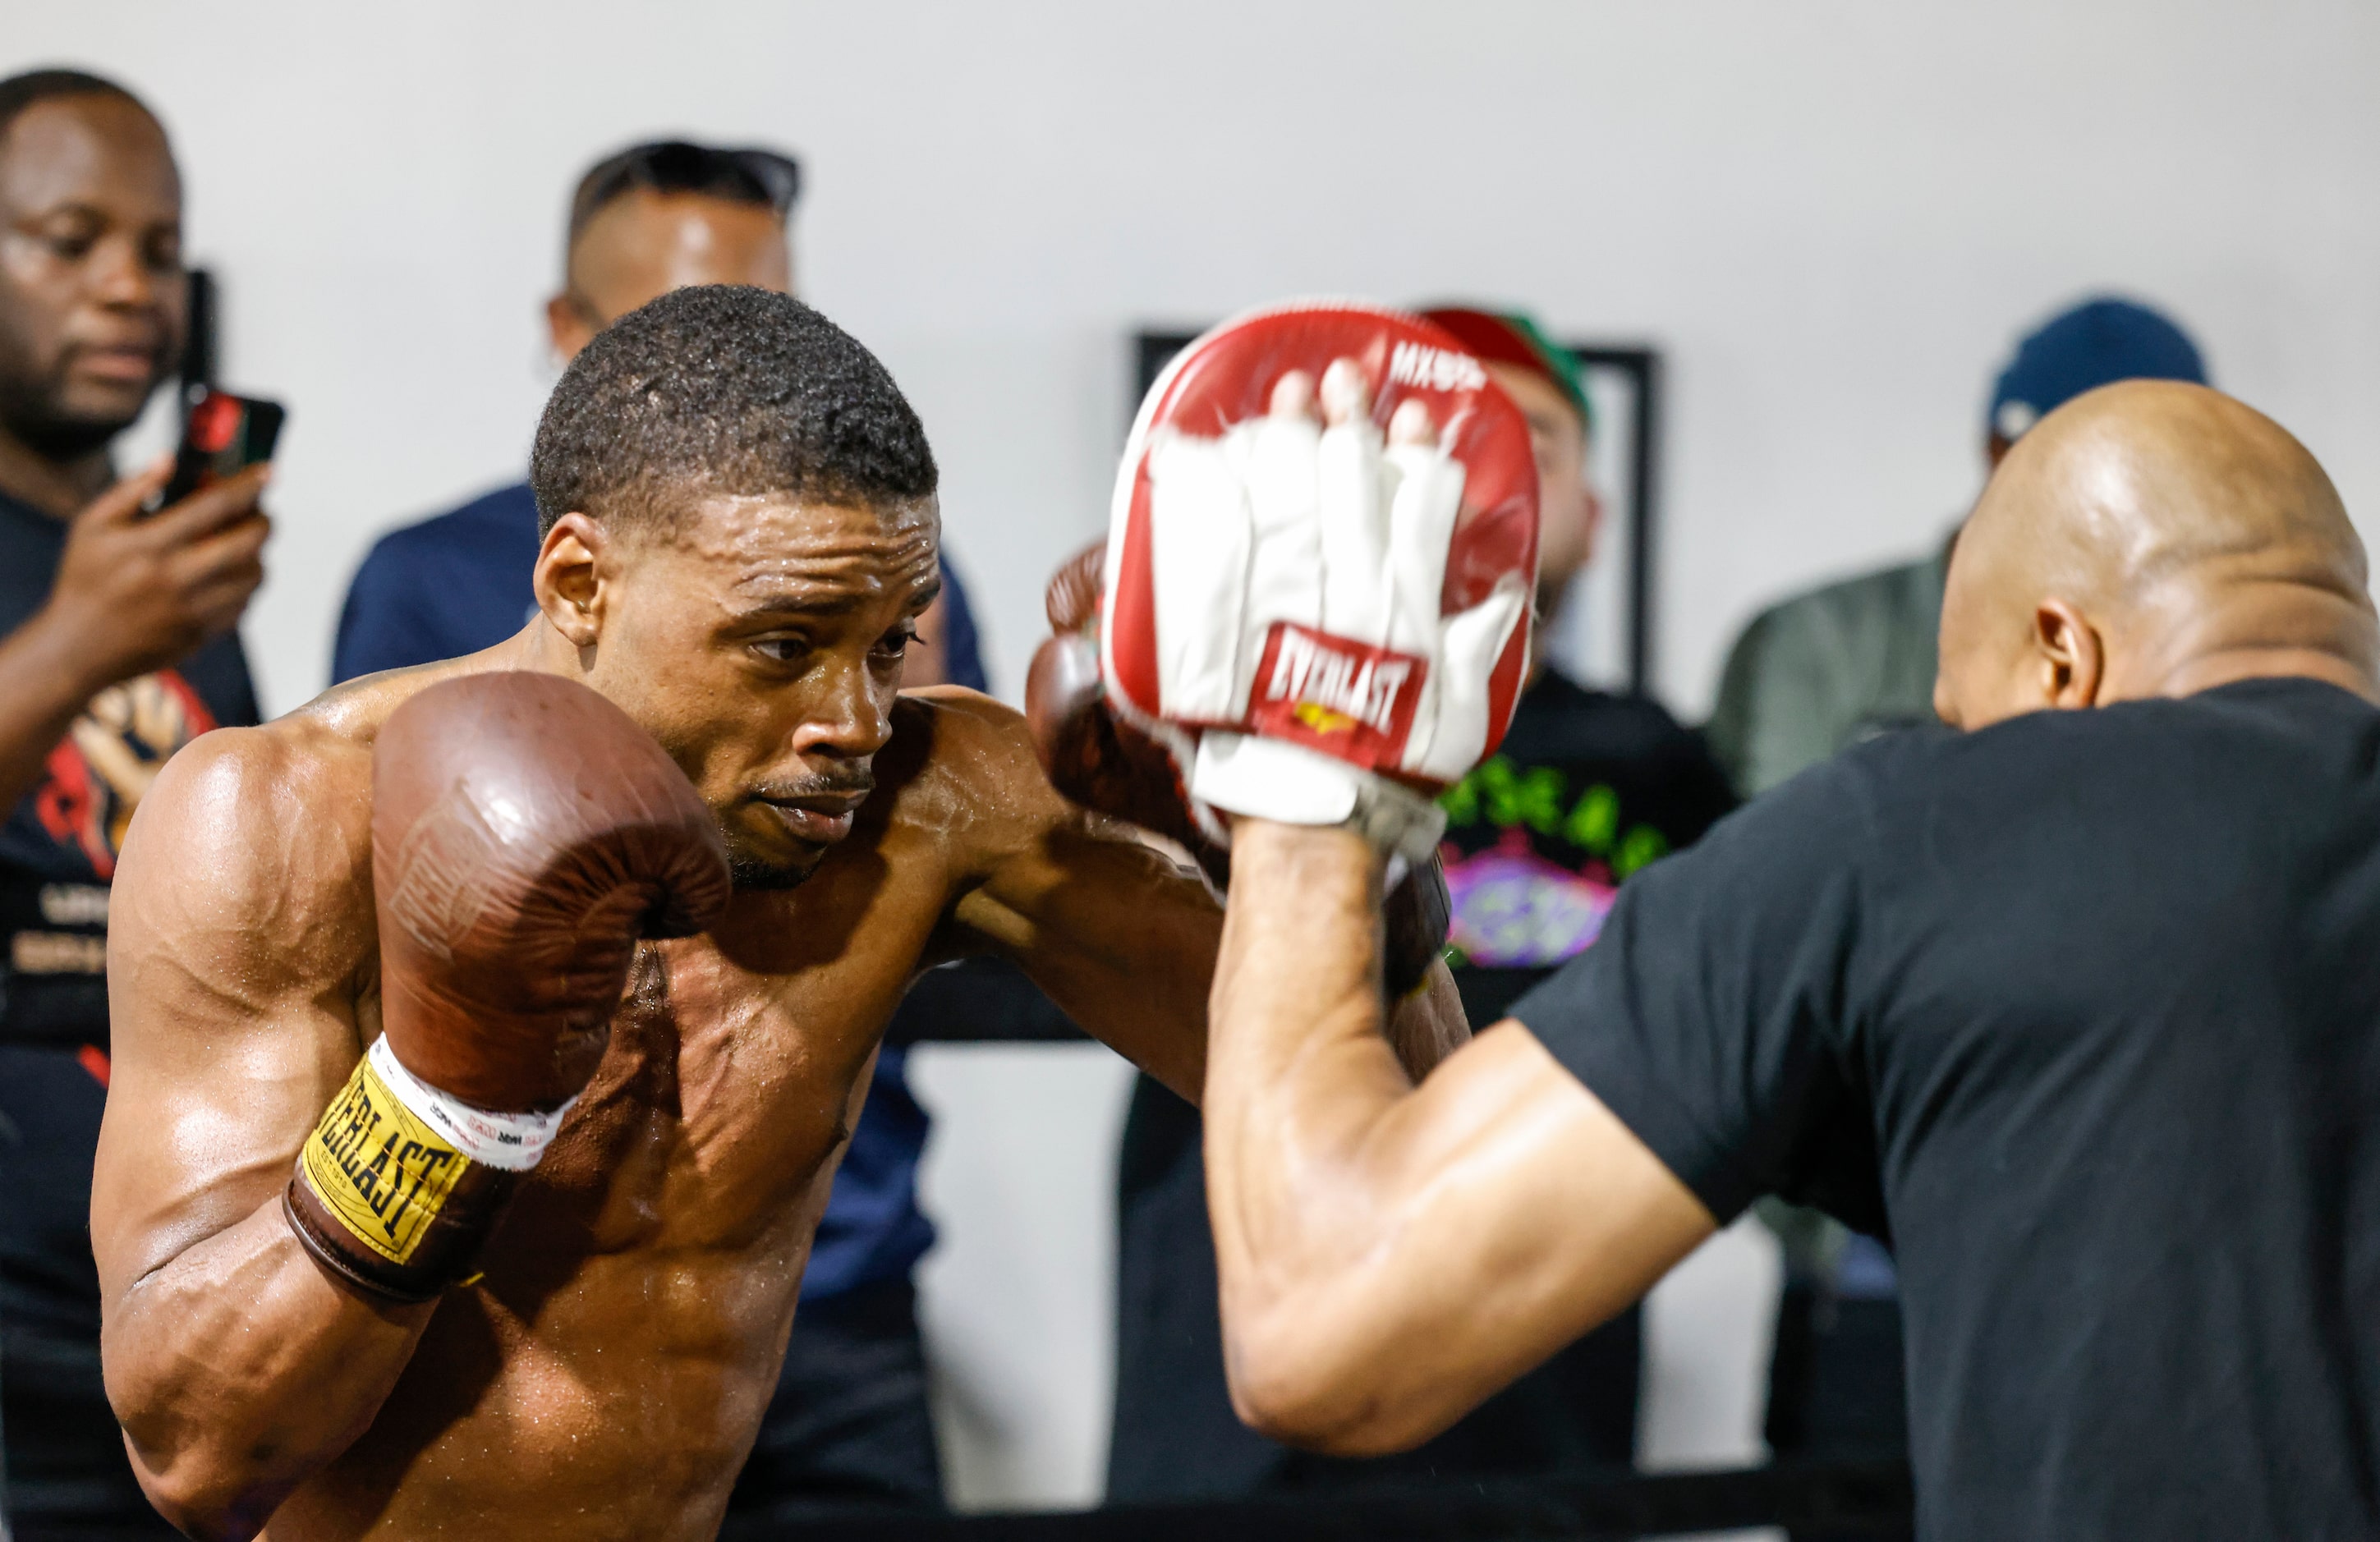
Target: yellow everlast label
{"x":382,"y":1170}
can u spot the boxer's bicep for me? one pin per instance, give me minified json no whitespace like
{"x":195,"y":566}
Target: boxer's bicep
{"x":231,"y":960}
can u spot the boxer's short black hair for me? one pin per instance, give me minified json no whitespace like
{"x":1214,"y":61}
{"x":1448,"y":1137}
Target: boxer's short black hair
{"x":36,"y":85}
{"x":724,"y":389}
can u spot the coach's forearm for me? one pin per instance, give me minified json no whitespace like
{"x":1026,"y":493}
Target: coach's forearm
{"x":1300,"y":1079}
{"x":240,"y":1371}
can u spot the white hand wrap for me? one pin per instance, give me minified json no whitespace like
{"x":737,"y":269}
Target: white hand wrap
{"x":509,"y":1142}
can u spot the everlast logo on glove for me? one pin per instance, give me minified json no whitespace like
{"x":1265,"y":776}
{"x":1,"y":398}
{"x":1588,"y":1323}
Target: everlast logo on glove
{"x":1340,"y":696}
{"x":380,"y":1167}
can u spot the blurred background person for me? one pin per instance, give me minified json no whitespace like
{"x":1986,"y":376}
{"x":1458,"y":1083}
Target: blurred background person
{"x":1809,"y":677}
{"x":850,"y":1423}
{"x":120,"y":649}
{"x":1587,"y":788}
{"x":1821,"y":671}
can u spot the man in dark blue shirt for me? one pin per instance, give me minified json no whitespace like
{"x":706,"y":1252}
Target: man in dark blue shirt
{"x":849,"y":1423}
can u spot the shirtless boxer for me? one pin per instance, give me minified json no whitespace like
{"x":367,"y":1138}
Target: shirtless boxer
{"x":742,"y":534}
{"x":2081,"y":1007}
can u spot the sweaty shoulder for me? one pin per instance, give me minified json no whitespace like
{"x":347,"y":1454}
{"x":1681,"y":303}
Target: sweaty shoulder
{"x":273,"y":822}
{"x":247,"y":873}
{"x":955,"y":750}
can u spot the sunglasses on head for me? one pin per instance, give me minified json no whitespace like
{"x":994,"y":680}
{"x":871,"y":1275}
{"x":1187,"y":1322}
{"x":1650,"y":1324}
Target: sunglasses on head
{"x":745,"y":175}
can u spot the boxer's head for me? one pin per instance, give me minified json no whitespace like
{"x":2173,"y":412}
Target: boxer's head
{"x":667,"y":215}
{"x":2151,"y":539}
{"x":93,"y":301}
{"x":740,"y":535}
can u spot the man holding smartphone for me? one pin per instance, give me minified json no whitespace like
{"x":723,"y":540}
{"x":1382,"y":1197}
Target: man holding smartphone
{"x":119,"y":647}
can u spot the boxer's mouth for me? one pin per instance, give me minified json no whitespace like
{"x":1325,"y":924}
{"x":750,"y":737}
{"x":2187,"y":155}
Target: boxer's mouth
{"x":821,"y":819}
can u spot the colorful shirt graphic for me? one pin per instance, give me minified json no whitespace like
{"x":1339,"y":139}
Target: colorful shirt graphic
{"x":105,"y":763}
{"x":1588,"y":789}
{"x":1515,"y":910}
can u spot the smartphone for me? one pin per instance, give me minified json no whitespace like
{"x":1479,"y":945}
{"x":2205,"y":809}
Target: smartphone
{"x":224,"y":434}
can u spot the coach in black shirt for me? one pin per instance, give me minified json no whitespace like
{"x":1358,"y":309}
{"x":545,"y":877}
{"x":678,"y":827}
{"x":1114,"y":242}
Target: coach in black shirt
{"x":2081,"y":1008}
{"x":118,"y":649}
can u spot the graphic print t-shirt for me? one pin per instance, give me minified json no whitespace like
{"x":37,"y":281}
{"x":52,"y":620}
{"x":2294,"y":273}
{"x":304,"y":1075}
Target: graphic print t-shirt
{"x":1586,"y":790}
{"x":59,"y":844}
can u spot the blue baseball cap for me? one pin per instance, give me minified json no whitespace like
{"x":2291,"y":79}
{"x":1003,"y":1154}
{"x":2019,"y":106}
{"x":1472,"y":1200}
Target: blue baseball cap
{"x":2095,"y":343}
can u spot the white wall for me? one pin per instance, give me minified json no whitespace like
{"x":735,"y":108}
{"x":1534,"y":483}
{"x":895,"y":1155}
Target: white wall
{"x":1834,"y":215}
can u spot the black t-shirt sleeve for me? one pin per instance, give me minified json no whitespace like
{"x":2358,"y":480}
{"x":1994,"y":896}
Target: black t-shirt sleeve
{"x":1711,"y":1015}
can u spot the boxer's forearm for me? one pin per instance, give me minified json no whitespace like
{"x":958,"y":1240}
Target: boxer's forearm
{"x":1428,"y":1024}
{"x":1120,"y":939}
{"x":240,"y":1370}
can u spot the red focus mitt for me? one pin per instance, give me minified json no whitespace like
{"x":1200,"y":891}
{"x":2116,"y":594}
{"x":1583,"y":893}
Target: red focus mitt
{"x":1321,"y":617}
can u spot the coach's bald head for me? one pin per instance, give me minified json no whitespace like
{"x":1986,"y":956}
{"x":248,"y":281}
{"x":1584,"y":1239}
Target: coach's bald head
{"x":2151,"y":539}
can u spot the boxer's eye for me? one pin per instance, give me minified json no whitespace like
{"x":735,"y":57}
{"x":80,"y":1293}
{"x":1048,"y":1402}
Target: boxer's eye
{"x":783,"y":650}
{"x":897,"y":642}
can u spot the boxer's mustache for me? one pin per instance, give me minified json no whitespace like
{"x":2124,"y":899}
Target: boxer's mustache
{"x":849,"y":785}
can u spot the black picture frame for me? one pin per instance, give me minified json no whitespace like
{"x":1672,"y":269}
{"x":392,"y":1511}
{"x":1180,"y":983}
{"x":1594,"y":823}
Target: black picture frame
{"x":1640,"y":365}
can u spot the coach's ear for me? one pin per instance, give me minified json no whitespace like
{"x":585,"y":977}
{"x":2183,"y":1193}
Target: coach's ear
{"x":571,"y":567}
{"x":2071,"y":658}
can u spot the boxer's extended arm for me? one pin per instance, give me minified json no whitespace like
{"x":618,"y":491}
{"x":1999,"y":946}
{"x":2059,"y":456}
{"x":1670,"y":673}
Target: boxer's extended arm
{"x":241,"y":916}
{"x":1392,"y":1254}
{"x":1121,"y":936}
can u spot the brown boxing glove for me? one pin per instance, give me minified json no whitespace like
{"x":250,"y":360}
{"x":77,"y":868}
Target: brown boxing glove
{"x":1107,"y":765}
{"x":1415,"y":919}
{"x":526,"y":833}
{"x":1092,"y":756}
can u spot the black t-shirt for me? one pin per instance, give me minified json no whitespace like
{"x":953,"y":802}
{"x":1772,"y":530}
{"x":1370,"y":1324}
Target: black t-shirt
{"x":1587,"y":788}
{"x":58,"y":847}
{"x":2085,"y":1009}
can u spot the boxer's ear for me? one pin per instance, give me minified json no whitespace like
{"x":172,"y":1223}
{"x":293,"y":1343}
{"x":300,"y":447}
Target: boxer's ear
{"x":569,"y":578}
{"x":2070,"y":657}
